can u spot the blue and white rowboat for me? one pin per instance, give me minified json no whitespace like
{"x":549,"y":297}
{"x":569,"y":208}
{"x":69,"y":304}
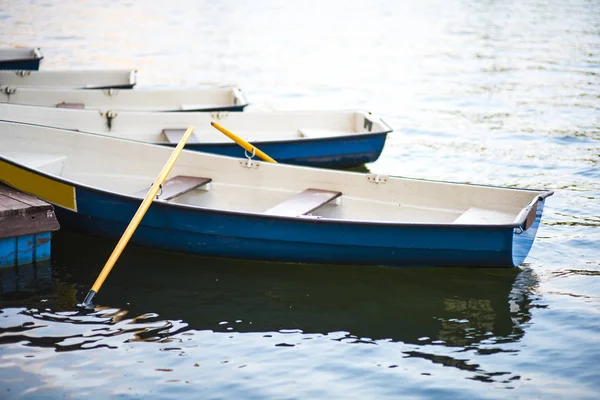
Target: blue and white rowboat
{"x":20,"y":58}
{"x":227,"y":207}
{"x":200,"y":99}
{"x":331,"y":139}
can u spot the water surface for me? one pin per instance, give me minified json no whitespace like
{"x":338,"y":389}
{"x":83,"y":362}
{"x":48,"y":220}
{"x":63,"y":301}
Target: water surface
{"x":502,"y":93}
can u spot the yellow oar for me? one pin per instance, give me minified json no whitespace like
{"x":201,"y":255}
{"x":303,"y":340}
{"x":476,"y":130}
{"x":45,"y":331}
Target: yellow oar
{"x":247,"y":146}
{"x":135,"y":221}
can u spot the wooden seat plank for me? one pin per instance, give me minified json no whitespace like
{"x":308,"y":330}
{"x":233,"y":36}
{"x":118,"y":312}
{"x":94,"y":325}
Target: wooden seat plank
{"x":303,"y":203}
{"x":22,"y":197}
{"x":482,"y":216}
{"x":79,"y":106}
{"x":177,"y":186}
{"x":174,"y":135}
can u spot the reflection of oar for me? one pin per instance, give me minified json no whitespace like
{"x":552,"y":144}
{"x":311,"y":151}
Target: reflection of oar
{"x":247,"y":146}
{"x":137,"y":218}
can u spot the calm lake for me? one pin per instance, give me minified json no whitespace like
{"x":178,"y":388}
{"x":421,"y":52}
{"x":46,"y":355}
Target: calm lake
{"x":493,"y":92}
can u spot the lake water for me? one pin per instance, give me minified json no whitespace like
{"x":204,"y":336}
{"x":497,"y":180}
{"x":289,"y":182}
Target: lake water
{"x":504,"y":93}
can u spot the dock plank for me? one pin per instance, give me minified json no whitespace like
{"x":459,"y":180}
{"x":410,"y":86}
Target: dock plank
{"x":23,"y":197}
{"x":23,"y":214}
{"x":9,"y":205}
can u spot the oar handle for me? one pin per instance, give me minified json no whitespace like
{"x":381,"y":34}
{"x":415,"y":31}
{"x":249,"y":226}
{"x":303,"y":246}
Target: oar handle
{"x":247,"y":146}
{"x":137,"y":218}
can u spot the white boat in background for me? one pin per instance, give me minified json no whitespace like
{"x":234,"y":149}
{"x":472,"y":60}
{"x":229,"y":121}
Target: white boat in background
{"x":200,"y":99}
{"x":20,"y":58}
{"x":330,"y":139}
{"x":221,"y":206}
{"x":76,"y":79}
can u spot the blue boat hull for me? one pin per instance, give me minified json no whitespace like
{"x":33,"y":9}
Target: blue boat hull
{"x":30,"y":64}
{"x":336,"y":152}
{"x":234,"y":108}
{"x":258,"y":237}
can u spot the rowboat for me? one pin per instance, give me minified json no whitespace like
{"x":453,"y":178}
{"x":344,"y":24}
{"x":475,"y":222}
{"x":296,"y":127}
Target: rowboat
{"x":81,"y":79}
{"x":331,"y":139}
{"x":20,"y":58}
{"x":225,"y":207}
{"x":201,"y":99}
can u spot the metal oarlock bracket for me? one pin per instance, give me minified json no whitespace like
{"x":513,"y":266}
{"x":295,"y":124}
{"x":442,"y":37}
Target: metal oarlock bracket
{"x":109,"y":115}
{"x":160,"y":190}
{"x":9,"y":90}
{"x":376,"y":178}
{"x":111,"y":92}
{"x":249,"y":163}
{"x":219,"y":115}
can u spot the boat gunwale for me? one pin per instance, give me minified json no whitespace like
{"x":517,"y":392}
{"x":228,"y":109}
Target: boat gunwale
{"x":282,"y":141}
{"x":309,"y":219}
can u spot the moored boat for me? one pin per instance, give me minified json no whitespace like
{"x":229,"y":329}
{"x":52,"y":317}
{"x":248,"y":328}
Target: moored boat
{"x":201,"y":99}
{"x":78,"y":79}
{"x":20,"y":58}
{"x":226,"y":207}
{"x":332,"y":139}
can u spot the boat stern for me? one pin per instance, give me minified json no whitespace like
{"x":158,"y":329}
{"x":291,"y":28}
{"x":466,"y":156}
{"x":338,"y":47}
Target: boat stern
{"x":524,"y":234}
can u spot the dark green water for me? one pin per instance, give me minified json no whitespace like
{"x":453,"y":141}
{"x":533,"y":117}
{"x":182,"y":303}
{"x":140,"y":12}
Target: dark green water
{"x":502,"y":93}
{"x":282,"y":309}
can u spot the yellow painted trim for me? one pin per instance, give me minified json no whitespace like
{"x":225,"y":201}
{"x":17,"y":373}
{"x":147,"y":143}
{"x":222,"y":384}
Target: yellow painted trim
{"x":48,"y":189}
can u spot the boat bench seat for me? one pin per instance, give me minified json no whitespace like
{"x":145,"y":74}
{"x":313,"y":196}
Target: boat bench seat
{"x":482,"y":216}
{"x":316,"y":133}
{"x":54,"y":167}
{"x":303,"y":203}
{"x":176,"y":186}
{"x":50,"y":163}
{"x":79,"y":106}
{"x":174,"y":135}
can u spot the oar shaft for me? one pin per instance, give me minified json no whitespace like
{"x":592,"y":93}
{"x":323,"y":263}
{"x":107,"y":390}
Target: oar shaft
{"x":247,"y":146}
{"x":137,"y":218}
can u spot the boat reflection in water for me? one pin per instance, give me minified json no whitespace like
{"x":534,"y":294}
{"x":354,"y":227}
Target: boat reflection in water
{"x":457,"y":306}
{"x":24,"y":280}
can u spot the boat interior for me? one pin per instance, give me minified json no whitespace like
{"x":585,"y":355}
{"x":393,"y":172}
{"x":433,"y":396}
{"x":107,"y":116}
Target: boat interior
{"x":125,"y":99}
{"x":215,"y":182}
{"x":67,"y":78}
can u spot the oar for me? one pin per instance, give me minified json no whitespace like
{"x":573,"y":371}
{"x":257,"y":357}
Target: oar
{"x":135,"y":221}
{"x":247,"y":146}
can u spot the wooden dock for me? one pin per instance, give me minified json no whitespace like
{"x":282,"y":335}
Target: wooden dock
{"x":26,"y":226}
